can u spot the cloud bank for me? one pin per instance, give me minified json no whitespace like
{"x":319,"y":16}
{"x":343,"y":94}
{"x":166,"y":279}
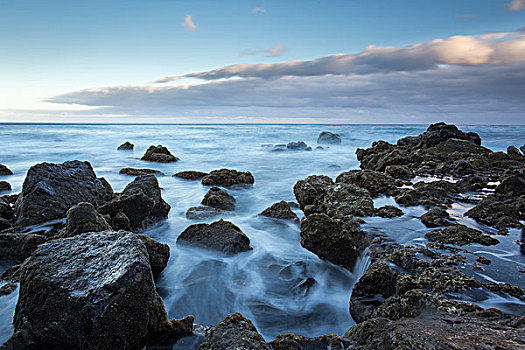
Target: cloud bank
{"x":276,"y":51}
{"x":516,"y":5}
{"x":188,"y":23}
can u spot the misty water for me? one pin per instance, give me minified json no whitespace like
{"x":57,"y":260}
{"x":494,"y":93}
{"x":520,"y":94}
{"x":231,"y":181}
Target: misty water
{"x":270,"y":284}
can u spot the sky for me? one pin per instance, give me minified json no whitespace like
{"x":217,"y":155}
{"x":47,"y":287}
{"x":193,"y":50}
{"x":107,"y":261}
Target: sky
{"x":252,"y":61}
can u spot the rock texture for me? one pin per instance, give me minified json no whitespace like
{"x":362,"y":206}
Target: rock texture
{"x":18,"y":246}
{"x":327,"y":137}
{"x":190,"y":175}
{"x":460,"y":235}
{"x":126,"y":146}
{"x":300,"y":145}
{"x":83,"y":218}
{"x":219,"y":199}
{"x":159,"y":154}
{"x":139,"y":172}
{"x":4,"y":170}
{"x":228,"y":177}
{"x":5,"y":186}
{"x":280,"y":210}
{"x":436,"y":217}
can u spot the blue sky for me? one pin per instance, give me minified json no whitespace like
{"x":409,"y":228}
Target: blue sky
{"x":53,"y":52}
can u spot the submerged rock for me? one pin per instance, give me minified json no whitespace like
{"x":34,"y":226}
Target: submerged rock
{"x":460,"y":235}
{"x":5,"y":186}
{"x":228,"y":177}
{"x":300,"y":145}
{"x":49,"y":190}
{"x":327,"y":137}
{"x":190,"y":175}
{"x":159,"y":154}
{"x":126,"y":146}
{"x":219,"y":199}
{"x":436,"y":217}
{"x":202,"y":212}
{"x":18,"y":246}
{"x":4,"y":170}
{"x":139,"y":172}
{"x":280,"y":210}
{"x":83,"y":218}
{"x":220,"y":235}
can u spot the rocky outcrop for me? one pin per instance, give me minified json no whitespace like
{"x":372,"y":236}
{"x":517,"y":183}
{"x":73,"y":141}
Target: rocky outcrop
{"x":228,"y":177}
{"x":190,"y":175}
{"x":49,"y":190}
{"x":159,"y":154}
{"x":298,"y":342}
{"x":220,"y":235}
{"x":99,"y":294}
{"x":389,"y":211}
{"x":234,"y":332}
{"x":140,"y":201}
{"x":5,"y":186}
{"x":202,"y":212}
{"x":437,"y":133}
{"x":436,"y":217}
{"x":139,"y":172}
{"x":327,"y":137}
{"x":83,"y":218}
{"x":18,"y":246}
{"x":4,"y":170}
{"x":280,"y":210}
{"x":429,"y":194}
{"x":126,"y":146}
{"x":300,"y":145}
{"x":219,"y":199}
{"x":375,"y":182}
{"x":158,"y":253}
{"x":399,"y":172}
{"x":460,"y":235}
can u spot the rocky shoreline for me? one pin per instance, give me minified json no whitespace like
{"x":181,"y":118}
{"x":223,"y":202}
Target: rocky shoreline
{"x":89,"y":282}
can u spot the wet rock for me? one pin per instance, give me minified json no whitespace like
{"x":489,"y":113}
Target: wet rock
{"x":514,"y":153}
{"x":18,"y":246}
{"x":139,"y":172}
{"x":389,"y":211}
{"x":437,"y":133}
{"x":460,"y":235}
{"x":11,"y":278}
{"x":375,"y":182}
{"x":220,"y":235}
{"x":333,"y":240}
{"x":399,"y":172}
{"x":5,"y":186}
{"x":140,"y":201}
{"x":83,"y":218}
{"x":522,"y":149}
{"x":472,"y":183}
{"x":6,"y":211}
{"x":202,"y":212}
{"x":300,"y":145}
{"x":280,"y":210}
{"x":511,"y":186}
{"x":234,"y":332}
{"x":120,"y":222}
{"x":158,"y":253}
{"x":297,"y":342}
{"x":159,"y":154}
{"x":126,"y":146}
{"x":499,"y":212}
{"x":190,"y":175}
{"x":4,"y":170}
{"x":483,"y":260}
{"x":228,"y":177}
{"x":219,"y":199}
{"x":436,"y":217}
{"x":326,"y":137}
{"x":522,"y":243}
{"x":4,"y":224}
{"x":49,"y":190}
{"x":429,"y":194}
{"x":99,"y":294}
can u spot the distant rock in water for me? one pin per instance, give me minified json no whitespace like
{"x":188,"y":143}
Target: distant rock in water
{"x":5,"y":170}
{"x":83,"y":218}
{"x":228,"y":177}
{"x":159,"y":154}
{"x":219,"y":199}
{"x":49,"y":190}
{"x":300,"y":145}
{"x":5,"y":186}
{"x":327,"y":137}
{"x":202,"y":212}
{"x":190,"y":175}
{"x":126,"y":146}
{"x":139,"y":172}
{"x":280,"y":210}
{"x":220,"y":235}
{"x":460,"y":235}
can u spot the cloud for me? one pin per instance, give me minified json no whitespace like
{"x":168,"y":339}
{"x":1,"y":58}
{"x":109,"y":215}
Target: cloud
{"x":516,"y":5}
{"x":259,"y":10}
{"x":460,"y":50}
{"x":276,"y":51}
{"x":188,"y":23}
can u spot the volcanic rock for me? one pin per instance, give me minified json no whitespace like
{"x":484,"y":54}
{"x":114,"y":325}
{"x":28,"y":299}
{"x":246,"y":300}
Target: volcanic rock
{"x":460,"y":235}
{"x":228,"y":177}
{"x":219,"y":199}
{"x":190,"y":175}
{"x":326,"y":137}
{"x":280,"y":210}
{"x":126,"y":146}
{"x":159,"y":154}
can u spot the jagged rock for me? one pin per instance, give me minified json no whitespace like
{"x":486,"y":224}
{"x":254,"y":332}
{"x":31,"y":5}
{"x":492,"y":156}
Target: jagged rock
{"x":49,"y":190}
{"x":298,"y":342}
{"x":11,"y":278}
{"x":4,"y":224}
{"x":220,"y":235}
{"x":159,"y":154}
{"x":120,"y":222}
{"x":140,"y":201}
{"x":280,"y":210}
{"x":472,"y":183}
{"x":429,"y":194}
{"x":437,"y":133}
{"x":514,"y":153}
{"x":511,"y":186}
{"x":436,"y":217}
{"x":460,"y":235}
{"x":234,"y":332}
{"x":228,"y":177}
{"x":126,"y":146}
{"x":219,"y":199}
{"x":389,"y":211}
{"x":499,"y":212}
{"x":158,"y":253}
{"x":99,"y":294}
{"x":190,"y":175}
{"x":326,"y":137}
{"x":300,"y":145}
{"x":375,"y":182}
{"x":139,"y":172}
{"x":18,"y":246}
{"x":202,"y":212}
{"x":4,"y":170}
{"x":83,"y":218}
{"x":5,"y":186}
{"x":522,"y":149}
{"x":333,"y":240}
{"x":399,"y":172}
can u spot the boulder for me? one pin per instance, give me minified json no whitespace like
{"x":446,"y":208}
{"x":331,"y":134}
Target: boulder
{"x":120,"y":221}
{"x":514,"y":153}
{"x":4,"y":224}
{"x":234,"y":332}
{"x":140,"y":201}
{"x":139,"y":172}
{"x":511,"y":186}
{"x":220,"y":235}
{"x":228,"y":177}
{"x":4,"y":170}
{"x":375,"y":182}
{"x":49,"y":190}
{"x":399,"y":172}
{"x":389,"y":211}
{"x":18,"y":246}
{"x":460,"y":235}
{"x":83,"y":218}
{"x":202,"y":212}
{"x":300,"y":145}
{"x":327,"y":137}
{"x":5,"y":186}
{"x":126,"y":146}
{"x":280,"y":210}
{"x":219,"y":199}
{"x":436,"y":217}
{"x":499,"y":212}
{"x":158,"y":253}
{"x":429,"y":194}
{"x":6,"y":211}
{"x":437,"y":133}
{"x":99,"y":294}
{"x":190,"y":175}
{"x":159,"y":154}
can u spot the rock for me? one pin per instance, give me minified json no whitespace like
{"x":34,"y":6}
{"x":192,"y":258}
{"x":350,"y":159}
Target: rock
{"x":11,"y":278}
{"x":472,"y":183}
{"x":436,"y":217}
{"x":326,"y":137}
{"x":83,"y":218}
{"x":298,"y":342}
{"x":234,"y":332}
{"x":333,"y":240}
{"x":483,"y":260}
{"x":190,"y":175}
{"x":4,"y":224}
{"x":300,"y":145}
{"x":389,"y":211}
{"x":514,"y":153}
{"x":126,"y":146}
{"x":280,"y":210}
{"x":4,"y":170}
{"x":18,"y":246}
{"x":158,"y":253}
{"x":5,"y":186}
{"x":399,"y":172}
{"x":220,"y":235}
{"x":522,"y":243}
{"x":159,"y":154}
{"x":120,"y":221}
{"x":375,"y":182}
{"x":228,"y":177}
{"x":140,"y":201}
{"x":511,"y":186}
{"x":6,"y":211}
{"x":49,"y":190}
{"x":522,"y":149}
{"x":202,"y":212}
{"x":429,"y":194}
{"x":437,"y":133}
{"x":139,"y":172}
{"x":99,"y":294}
{"x":460,"y":235}
{"x":219,"y":199}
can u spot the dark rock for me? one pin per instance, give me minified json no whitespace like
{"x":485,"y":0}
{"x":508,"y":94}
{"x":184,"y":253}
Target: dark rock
{"x":522,"y":243}
{"x":126,"y":146}
{"x":234,"y":332}
{"x":158,"y":253}
{"x":18,"y":246}
{"x":399,"y":172}
{"x":228,"y":177}
{"x":483,"y":260}
{"x":83,"y":218}
{"x":460,"y":235}
{"x":437,"y":133}
{"x":375,"y":182}
{"x":389,"y":211}
{"x":140,"y":201}
{"x":99,"y":294}
{"x":297,"y":342}
{"x":319,"y":148}
{"x":280,"y":210}
{"x":4,"y":170}
{"x":11,"y":279}
{"x":499,"y":212}
{"x":472,"y":183}
{"x":522,"y":149}
{"x":429,"y":194}
{"x":139,"y":172}
{"x":436,"y":217}
{"x":333,"y":240}
{"x":326,"y":137}
{"x":202,"y":212}
{"x":49,"y":190}
{"x":219,"y":199}
{"x":5,"y":186}
{"x":308,"y":149}
{"x":159,"y":154}
{"x":511,"y":186}
{"x":190,"y":175}
{"x":220,"y":235}
{"x":300,"y":145}
{"x":120,"y":221}
{"x":6,"y":211}
{"x":4,"y":224}
{"x":514,"y":153}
